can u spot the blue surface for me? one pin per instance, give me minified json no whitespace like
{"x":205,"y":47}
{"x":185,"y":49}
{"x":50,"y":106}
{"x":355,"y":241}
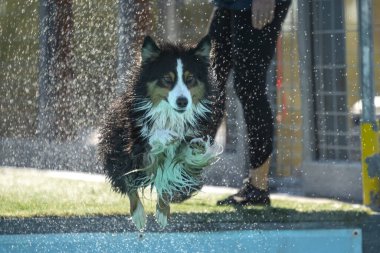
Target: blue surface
{"x":292,"y":241}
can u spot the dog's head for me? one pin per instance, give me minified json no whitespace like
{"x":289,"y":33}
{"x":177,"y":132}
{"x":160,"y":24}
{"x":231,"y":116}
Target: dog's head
{"x":175,"y":74}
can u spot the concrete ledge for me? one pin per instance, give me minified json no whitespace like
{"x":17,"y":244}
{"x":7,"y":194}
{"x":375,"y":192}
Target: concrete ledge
{"x":238,"y":241}
{"x":370,"y":226}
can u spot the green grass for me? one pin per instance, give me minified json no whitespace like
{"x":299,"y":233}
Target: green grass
{"x":33,"y":193}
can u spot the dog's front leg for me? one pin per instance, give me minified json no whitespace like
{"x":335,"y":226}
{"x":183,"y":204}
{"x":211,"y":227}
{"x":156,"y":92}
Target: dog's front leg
{"x":162,"y":210}
{"x":137,"y":210}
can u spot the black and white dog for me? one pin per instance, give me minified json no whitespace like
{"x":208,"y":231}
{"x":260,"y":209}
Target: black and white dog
{"x":156,"y":134}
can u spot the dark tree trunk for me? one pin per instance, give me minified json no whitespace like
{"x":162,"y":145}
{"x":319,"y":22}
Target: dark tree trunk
{"x":55,"y":70}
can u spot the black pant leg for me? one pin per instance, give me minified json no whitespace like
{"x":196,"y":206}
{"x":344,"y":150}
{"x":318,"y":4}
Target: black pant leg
{"x":252,"y":51}
{"x":221,"y":61}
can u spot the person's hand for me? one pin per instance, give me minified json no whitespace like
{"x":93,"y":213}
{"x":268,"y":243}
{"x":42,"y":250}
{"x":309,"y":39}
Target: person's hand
{"x":262,"y":12}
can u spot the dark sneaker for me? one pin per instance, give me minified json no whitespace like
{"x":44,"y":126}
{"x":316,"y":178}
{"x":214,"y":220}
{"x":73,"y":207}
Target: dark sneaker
{"x":247,"y":195}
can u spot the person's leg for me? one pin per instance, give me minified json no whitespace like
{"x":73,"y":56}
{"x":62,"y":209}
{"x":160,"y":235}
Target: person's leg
{"x":252,"y":52}
{"x":221,"y":61}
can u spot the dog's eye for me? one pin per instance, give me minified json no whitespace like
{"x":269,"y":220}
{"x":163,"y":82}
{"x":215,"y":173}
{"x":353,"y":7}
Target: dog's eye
{"x":190,"y":80}
{"x":167,"y":81}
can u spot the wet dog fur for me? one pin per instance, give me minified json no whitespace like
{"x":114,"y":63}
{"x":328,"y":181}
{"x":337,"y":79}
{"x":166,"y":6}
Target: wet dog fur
{"x":157,"y":133}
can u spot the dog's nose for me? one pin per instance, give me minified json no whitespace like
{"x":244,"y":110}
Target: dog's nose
{"x":182,"y":102}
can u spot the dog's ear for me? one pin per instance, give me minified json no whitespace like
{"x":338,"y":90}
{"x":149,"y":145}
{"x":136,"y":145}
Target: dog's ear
{"x":203,"y":48}
{"x":149,"y":50}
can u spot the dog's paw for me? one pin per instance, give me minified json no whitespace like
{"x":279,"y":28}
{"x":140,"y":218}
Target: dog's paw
{"x":198,"y":146}
{"x":139,"y":217}
{"x":162,"y":219}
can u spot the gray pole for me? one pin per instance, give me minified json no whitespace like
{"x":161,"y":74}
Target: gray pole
{"x":134,"y":23}
{"x":47,"y":42}
{"x":369,"y":134}
{"x":310,"y":148}
{"x":366,"y":60}
{"x":171,"y":21}
{"x":122,"y":48}
{"x":168,"y":27}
